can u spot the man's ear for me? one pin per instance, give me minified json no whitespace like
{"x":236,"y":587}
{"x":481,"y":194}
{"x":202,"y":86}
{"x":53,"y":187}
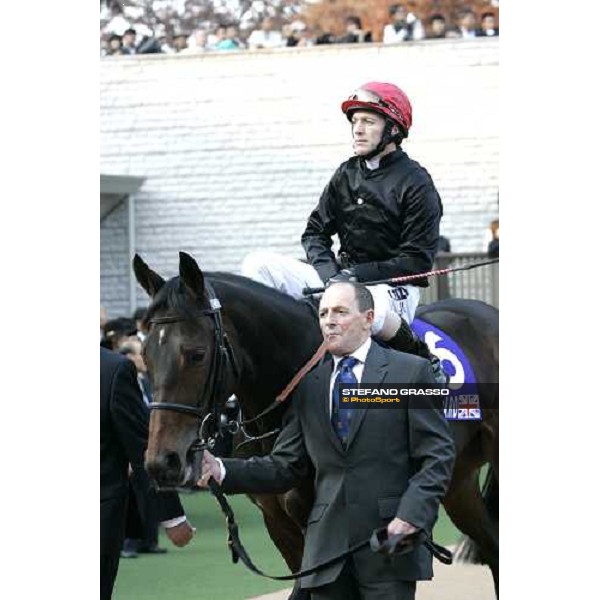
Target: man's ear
{"x":370,"y":315}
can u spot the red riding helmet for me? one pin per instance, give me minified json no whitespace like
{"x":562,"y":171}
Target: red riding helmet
{"x":384,"y":98}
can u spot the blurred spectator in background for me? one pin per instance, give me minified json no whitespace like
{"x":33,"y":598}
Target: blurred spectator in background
{"x":128,"y":41}
{"x":151,"y":45}
{"x":114,"y":45}
{"x":232,"y":35}
{"x":488,"y":25}
{"x":161,"y":43}
{"x":493,"y":249}
{"x":297,"y":34}
{"x":323,"y":37}
{"x":115,"y":332}
{"x":289,"y":35}
{"x":306,"y":37}
{"x":266,"y":36}
{"x":142,"y":520}
{"x":197,"y":42}
{"x":131,"y":347}
{"x":117,"y":23}
{"x":354,"y":32}
{"x":405,"y":27}
{"x":225,"y":38}
{"x":146,"y":25}
{"x":123,"y":440}
{"x":180,"y":42}
{"x":215,"y":38}
{"x":138,"y":317}
{"x":467,"y":24}
{"x":439,"y":29}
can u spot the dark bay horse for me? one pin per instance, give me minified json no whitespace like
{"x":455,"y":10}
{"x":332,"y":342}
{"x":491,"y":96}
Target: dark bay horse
{"x":271,"y":336}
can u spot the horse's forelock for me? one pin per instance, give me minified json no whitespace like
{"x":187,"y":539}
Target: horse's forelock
{"x":173,"y":299}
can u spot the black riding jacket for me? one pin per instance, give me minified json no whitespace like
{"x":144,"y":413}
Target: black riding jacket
{"x":387,"y":220}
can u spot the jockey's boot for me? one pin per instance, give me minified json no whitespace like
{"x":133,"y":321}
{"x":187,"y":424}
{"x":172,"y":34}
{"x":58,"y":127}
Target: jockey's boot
{"x":406,"y":341}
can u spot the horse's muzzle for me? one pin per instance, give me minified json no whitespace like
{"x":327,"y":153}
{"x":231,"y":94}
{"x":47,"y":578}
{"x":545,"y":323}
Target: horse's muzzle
{"x":168,"y":471}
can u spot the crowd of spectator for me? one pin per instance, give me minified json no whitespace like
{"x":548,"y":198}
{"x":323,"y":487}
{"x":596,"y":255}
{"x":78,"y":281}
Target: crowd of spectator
{"x":195,"y":26}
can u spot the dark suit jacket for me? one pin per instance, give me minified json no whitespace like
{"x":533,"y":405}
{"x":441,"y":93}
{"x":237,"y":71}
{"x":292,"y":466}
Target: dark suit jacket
{"x":398,"y":462}
{"x":123,"y":440}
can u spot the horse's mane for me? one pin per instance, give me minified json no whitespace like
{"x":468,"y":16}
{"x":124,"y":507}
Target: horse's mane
{"x":172,"y":297}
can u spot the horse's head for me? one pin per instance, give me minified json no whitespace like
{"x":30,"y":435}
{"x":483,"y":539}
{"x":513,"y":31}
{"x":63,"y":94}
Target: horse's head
{"x":180,"y":352}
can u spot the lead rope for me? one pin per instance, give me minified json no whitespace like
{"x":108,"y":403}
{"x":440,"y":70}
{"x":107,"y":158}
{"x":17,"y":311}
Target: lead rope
{"x":379,"y":541}
{"x":289,"y":388}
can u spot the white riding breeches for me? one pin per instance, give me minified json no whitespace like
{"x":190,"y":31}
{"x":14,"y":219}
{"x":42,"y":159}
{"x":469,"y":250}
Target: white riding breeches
{"x":291,"y":276}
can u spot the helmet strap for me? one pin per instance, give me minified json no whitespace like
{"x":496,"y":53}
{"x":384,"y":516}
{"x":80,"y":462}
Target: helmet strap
{"x":386,"y":138}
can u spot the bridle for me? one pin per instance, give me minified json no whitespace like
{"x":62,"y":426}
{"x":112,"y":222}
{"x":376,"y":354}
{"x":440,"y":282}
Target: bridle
{"x":221,"y":409}
{"x":222,"y":357}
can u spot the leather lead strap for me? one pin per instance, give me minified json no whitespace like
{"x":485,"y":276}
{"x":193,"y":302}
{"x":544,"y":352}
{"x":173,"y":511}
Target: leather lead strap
{"x":378,"y":542}
{"x":289,"y":388}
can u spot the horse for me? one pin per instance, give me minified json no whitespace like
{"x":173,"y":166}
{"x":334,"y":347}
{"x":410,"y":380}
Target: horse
{"x":266,"y":337}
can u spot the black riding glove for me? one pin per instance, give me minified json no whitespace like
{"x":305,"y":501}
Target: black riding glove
{"x":342,"y":276}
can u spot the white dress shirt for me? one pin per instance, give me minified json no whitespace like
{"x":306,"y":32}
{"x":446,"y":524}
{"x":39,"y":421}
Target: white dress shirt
{"x":361,"y":355}
{"x":173,"y":522}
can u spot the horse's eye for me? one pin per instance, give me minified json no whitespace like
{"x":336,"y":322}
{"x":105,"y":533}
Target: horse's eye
{"x":195,"y":357}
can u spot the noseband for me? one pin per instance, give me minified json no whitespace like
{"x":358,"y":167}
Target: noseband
{"x":222,"y":356}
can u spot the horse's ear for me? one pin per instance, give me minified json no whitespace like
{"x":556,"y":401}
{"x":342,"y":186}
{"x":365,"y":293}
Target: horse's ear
{"x":191,"y":275}
{"x":147,"y":278}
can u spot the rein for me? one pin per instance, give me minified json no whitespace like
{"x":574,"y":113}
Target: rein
{"x":379,"y":541}
{"x":282,"y":397}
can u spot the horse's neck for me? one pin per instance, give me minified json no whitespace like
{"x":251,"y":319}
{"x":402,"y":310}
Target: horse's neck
{"x":270,"y":349}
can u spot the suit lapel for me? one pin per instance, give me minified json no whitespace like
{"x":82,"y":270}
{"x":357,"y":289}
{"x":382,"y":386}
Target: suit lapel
{"x":322,"y":380}
{"x":374,"y":372}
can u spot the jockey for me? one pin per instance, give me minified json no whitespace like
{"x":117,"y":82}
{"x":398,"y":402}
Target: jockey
{"x":386,"y":212}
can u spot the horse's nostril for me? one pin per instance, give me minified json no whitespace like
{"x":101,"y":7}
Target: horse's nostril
{"x":153,"y":468}
{"x":172,"y":462}
{"x":165,"y":470}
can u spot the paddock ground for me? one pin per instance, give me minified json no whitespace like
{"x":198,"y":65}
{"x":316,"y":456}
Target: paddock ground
{"x":454,"y":582}
{"x":203,"y":569}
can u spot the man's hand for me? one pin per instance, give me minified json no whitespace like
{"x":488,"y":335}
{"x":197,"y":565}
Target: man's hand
{"x":342,"y":276}
{"x":399,"y":526}
{"x":181,"y":534}
{"x":210,"y":468}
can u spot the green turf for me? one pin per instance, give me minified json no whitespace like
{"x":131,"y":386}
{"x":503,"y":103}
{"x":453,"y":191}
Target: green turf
{"x":203,"y":570}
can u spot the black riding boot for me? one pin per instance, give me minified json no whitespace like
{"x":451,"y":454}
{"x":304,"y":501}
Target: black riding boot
{"x":406,"y":341}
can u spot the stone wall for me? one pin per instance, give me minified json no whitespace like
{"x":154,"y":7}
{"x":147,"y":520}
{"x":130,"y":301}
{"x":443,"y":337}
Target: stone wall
{"x":236,"y":147}
{"x":114,"y":262}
